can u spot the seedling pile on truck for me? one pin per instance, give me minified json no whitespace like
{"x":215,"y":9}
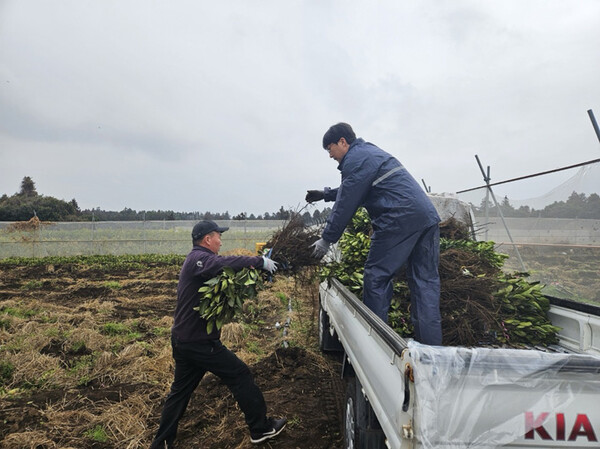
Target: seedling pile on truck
{"x":402,"y":394}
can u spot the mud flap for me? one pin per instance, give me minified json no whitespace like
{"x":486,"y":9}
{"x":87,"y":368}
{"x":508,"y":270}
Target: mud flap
{"x":327,"y":342}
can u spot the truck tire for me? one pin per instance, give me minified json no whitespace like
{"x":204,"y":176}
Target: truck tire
{"x":327,"y":342}
{"x":361,"y":427}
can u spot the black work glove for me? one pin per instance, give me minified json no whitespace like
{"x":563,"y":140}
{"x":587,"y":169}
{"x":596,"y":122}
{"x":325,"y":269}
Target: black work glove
{"x":314,"y":195}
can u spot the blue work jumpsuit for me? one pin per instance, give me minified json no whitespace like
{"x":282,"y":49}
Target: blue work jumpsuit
{"x":405,"y":233}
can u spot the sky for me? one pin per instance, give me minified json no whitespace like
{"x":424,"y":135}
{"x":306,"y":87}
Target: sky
{"x":221,"y":106}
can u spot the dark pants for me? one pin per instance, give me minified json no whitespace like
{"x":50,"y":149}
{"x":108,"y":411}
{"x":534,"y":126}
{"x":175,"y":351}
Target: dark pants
{"x":192,"y":361}
{"x":420,"y":252}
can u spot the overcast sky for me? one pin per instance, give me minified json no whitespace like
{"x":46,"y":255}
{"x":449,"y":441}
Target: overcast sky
{"x":221,"y":106}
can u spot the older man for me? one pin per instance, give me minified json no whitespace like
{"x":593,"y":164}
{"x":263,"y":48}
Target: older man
{"x":197,"y":351}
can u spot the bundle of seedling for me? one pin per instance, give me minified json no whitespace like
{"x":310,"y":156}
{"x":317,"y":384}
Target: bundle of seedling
{"x":479,"y":303}
{"x":290,"y":245}
{"x":223,"y":296}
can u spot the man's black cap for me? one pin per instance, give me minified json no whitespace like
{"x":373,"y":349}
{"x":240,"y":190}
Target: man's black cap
{"x":336,"y":132}
{"x":206,"y":227}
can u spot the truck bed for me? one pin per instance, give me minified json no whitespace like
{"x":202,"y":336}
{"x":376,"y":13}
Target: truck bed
{"x":453,"y":397}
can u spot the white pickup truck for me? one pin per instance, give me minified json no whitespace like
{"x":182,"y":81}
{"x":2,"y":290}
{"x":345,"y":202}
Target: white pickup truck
{"x":404,"y":395}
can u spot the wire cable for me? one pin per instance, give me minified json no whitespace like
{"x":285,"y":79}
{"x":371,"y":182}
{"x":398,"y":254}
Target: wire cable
{"x":485,"y":186}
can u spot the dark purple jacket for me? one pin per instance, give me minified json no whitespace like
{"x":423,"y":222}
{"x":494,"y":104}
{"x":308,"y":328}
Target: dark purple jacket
{"x":200,"y":265}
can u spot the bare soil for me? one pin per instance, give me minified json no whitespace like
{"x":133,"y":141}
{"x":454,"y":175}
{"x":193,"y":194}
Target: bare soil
{"x":85,"y":362}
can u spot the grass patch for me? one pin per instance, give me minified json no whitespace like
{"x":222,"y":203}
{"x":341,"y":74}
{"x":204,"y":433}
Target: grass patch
{"x":113,"y":285}
{"x":161,"y":331}
{"x":255,"y":347}
{"x":19,"y":312}
{"x":113,"y":329}
{"x":81,"y":370}
{"x":32,"y":285}
{"x":294,"y":421}
{"x":6,"y":372}
{"x":102,"y":262}
{"x":97,"y":434}
{"x":78,"y":346}
{"x":53,"y":332}
{"x":5,"y":324}
{"x":121,"y":334}
{"x":282,"y":297}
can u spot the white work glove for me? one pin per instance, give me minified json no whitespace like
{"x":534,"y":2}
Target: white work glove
{"x":320,"y":248}
{"x":269,"y":264}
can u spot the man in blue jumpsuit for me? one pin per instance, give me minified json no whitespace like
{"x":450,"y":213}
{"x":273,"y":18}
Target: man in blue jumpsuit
{"x":405,"y":227}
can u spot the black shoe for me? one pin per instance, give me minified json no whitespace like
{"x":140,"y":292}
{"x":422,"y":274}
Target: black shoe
{"x":278,"y":426}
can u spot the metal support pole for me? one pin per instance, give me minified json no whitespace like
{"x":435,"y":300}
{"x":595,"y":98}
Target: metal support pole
{"x":487,"y":181}
{"x":427,"y":189}
{"x":92,"y":237}
{"x":594,"y":123}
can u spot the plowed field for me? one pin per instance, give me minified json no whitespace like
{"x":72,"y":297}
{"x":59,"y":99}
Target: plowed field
{"x":85,"y":361}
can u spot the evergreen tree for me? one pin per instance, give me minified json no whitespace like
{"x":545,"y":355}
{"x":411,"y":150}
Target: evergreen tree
{"x":592,"y":209}
{"x":28,"y":188}
{"x":506,"y":208}
{"x":27,"y":203}
{"x":282,"y":214}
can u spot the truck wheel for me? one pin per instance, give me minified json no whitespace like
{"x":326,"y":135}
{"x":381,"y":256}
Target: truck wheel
{"x":327,"y":342}
{"x":350,"y":416}
{"x":361,"y":428}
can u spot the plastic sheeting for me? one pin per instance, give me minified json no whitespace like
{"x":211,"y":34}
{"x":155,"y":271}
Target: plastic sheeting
{"x":485,"y":398}
{"x":449,"y":206}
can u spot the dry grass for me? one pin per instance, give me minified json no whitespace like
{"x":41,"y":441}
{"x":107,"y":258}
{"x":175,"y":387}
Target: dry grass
{"x":232,"y":334}
{"x":98,"y":306}
{"x":238,"y":252}
{"x":34,"y":439}
{"x":33,"y":224}
{"x":126,"y":421}
{"x":71,"y":375}
{"x":34,"y":369}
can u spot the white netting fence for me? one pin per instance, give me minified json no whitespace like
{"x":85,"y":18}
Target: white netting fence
{"x":122,"y":237}
{"x":561,"y":253}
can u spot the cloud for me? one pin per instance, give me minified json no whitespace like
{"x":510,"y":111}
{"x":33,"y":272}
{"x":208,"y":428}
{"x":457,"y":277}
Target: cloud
{"x":189,"y":105}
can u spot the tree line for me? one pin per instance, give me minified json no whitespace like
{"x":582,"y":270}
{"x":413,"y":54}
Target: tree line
{"x":578,"y":205}
{"x":27,"y":203}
